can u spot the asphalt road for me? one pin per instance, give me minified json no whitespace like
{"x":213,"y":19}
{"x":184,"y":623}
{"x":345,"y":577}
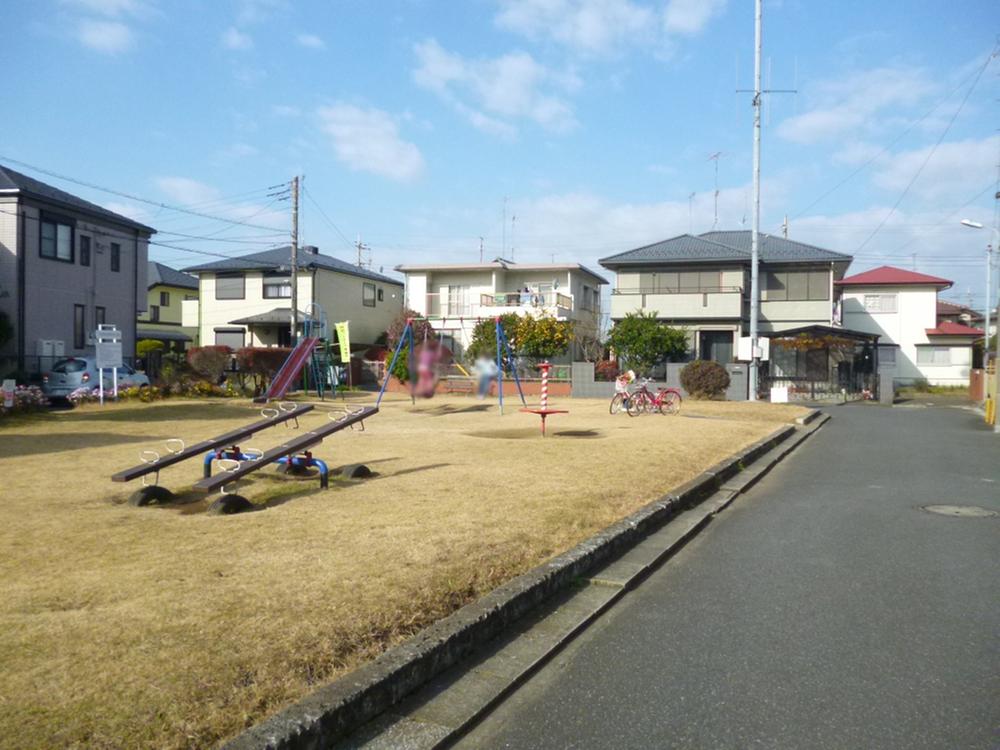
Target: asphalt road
{"x":824,"y":609}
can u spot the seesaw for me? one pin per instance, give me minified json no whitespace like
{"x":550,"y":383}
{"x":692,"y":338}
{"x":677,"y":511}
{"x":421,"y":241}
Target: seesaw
{"x":177,"y":451}
{"x":236,"y":464}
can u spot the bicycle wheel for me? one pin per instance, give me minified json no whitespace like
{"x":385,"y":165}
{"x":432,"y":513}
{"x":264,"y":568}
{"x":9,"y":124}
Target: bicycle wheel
{"x":670,"y":402}
{"x":618,"y":403}
{"x":636,"y":404}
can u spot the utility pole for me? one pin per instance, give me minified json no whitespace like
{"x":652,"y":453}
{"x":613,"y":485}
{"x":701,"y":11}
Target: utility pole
{"x":295,"y":260}
{"x":784,"y":227}
{"x":361,"y":250}
{"x":503,"y":247}
{"x":755,"y":231}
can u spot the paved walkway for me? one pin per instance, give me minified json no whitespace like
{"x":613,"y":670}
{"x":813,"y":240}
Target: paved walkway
{"x":824,"y":609}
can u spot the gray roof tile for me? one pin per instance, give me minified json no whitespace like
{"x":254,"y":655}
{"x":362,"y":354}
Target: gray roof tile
{"x":722,"y":246}
{"x":11,"y":180}
{"x":281,"y":258}
{"x":161,"y":274}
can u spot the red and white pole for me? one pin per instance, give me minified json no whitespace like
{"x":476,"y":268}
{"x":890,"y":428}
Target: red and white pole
{"x":544,"y":367}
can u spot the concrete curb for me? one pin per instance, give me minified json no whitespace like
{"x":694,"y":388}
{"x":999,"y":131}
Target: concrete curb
{"x":807,"y":418}
{"x":348,"y":703}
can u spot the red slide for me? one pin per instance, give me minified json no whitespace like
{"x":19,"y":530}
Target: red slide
{"x":289,"y":370}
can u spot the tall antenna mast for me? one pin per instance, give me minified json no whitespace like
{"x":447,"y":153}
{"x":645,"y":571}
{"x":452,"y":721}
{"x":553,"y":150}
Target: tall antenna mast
{"x":691,"y":213}
{"x":295,"y":261}
{"x":715,"y":157}
{"x":503,"y":247}
{"x":481,"y":249}
{"x":755,"y":231}
{"x":513,"y":221}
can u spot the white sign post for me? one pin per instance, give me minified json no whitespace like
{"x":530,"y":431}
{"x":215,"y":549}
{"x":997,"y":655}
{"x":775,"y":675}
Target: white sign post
{"x":108,"y":345}
{"x":8,"y":393}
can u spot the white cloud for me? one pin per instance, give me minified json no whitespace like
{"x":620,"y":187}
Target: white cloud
{"x":492,"y":92}
{"x":368,"y":140}
{"x":594,"y":27}
{"x":310,"y":41}
{"x":111,"y":8}
{"x":689,"y":17}
{"x":108,"y":37}
{"x":240,"y":150}
{"x":955,"y":168}
{"x":233,"y":38}
{"x":286,"y":110}
{"x":257,"y":11}
{"x":132,"y":211}
{"x":185,"y":191}
{"x":857,"y":103}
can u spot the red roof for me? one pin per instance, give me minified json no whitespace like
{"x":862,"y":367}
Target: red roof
{"x":891,"y":276}
{"x":947,"y":328}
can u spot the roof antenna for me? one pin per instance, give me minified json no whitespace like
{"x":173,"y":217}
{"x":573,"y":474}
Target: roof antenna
{"x":715,"y":157}
{"x":691,"y":213}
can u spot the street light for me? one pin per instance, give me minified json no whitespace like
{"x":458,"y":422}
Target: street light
{"x":986,"y":346}
{"x":989,"y":288}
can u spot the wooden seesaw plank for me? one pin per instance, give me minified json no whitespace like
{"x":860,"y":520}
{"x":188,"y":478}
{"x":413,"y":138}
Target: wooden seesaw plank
{"x":295,"y":445}
{"x":222,"y":441}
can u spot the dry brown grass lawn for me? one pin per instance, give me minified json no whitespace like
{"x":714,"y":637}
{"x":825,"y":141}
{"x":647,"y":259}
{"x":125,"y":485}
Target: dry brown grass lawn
{"x":166,"y":627}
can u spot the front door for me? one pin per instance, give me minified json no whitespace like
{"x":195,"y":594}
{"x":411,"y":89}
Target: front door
{"x":716,"y":346}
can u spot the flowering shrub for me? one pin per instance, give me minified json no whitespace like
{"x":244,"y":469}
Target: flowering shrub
{"x":83,"y":395}
{"x":27,"y":398}
{"x":605,"y":370}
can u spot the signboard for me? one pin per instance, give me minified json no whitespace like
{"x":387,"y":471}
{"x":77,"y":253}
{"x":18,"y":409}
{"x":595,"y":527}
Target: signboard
{"x":109,"y":355}
{"x":763,"y":349}
{"x":8,"y":393}
{"x":344,"y":339}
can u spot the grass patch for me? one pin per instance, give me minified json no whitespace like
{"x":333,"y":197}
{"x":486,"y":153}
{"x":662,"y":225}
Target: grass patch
{"x":168,"y":628}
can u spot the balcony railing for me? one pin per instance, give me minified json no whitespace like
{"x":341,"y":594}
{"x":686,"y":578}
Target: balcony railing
{"x":526,"y":299}
{"x":678,"y":290}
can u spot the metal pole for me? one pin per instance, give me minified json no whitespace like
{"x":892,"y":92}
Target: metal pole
{"x":295,"y":261}
{"x":989,"y":291}
{"x":499,"y":366}
{"x":755,"y":232}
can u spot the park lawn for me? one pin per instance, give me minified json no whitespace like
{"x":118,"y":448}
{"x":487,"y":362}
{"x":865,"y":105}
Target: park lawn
{"x":166,"y":627}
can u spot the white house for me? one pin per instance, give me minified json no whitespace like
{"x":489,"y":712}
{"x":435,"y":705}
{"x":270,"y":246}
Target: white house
{"x":246,"y":301}
{"x":902,"y":308}
{"x":455,"y":297}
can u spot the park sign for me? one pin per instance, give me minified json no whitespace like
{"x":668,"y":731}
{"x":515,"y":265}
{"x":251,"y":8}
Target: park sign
{"x":108,"y":353}
{"x":344,"y":339}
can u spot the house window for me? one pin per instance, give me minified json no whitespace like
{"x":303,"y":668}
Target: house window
{"x":458,"y":301}
{"x":933,"y":355}
{"x":887,"y":356}
{"x":190,"y":297}
{"x":164,"y":299}
{"x":229,"y":286}
{"x":796,"y":286}
{"x":380,"y":296}
{"x":56,"y":238}
{"x":596,"y":304}
{"x":99,"y":316}
{"x":277,"y":286}
{"x":231,"y":337}
{"x":84,"y":250}
{"x":116,"y":257}
{"x":154,"y":313}
{"x":79,"y":327}
{"x":368,"y":294}
{"x":586,"y":298}
{"x":880,"y":303}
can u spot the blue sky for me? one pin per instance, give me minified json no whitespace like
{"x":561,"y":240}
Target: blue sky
{"x":593,"y":121}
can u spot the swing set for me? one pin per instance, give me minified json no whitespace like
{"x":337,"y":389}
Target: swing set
{"x":423,"y":373}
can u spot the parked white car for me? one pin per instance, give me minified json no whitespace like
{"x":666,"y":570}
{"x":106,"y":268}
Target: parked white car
{"x":71,"y":373}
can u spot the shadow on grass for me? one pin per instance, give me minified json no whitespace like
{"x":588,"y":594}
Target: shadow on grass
{"x":162,"y":413}
{"x":445,"y":409}
{"x":15,"y":444}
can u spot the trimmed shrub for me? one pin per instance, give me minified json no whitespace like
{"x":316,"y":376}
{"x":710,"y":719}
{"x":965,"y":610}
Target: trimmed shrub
{"x":261,"y":363}
{"x":209,"y":361}
{"x":27,"y":398}
{"x":605,"y":370}
{"x":704,"y":379}
{"x":144,"y":346}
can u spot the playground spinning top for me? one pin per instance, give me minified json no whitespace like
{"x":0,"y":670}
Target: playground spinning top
{"x":543,"y":409}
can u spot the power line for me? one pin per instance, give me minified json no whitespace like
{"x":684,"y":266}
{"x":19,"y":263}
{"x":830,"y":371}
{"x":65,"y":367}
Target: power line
{"x":327,"y":219}
{"x":898,"y":138}
{"x":934,"y":148}
{"x":130,"y":196}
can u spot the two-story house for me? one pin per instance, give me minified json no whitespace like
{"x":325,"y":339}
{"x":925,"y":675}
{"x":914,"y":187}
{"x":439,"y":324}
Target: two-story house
{"x":454,"y":297}
{"x":902,"y":307}
{"x":166,"y":290}
{"x":66,"y":265}
{"x":246,"y":300}
{"x":702,"y":284}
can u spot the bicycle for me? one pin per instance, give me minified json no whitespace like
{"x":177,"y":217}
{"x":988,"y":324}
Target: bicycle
{"x":622,"y":395}
{"x":665,"y":400}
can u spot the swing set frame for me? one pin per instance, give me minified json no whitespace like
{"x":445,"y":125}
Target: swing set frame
{"x":502,"y":346}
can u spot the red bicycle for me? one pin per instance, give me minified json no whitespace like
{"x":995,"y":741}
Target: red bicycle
{"x":644,"y":401}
